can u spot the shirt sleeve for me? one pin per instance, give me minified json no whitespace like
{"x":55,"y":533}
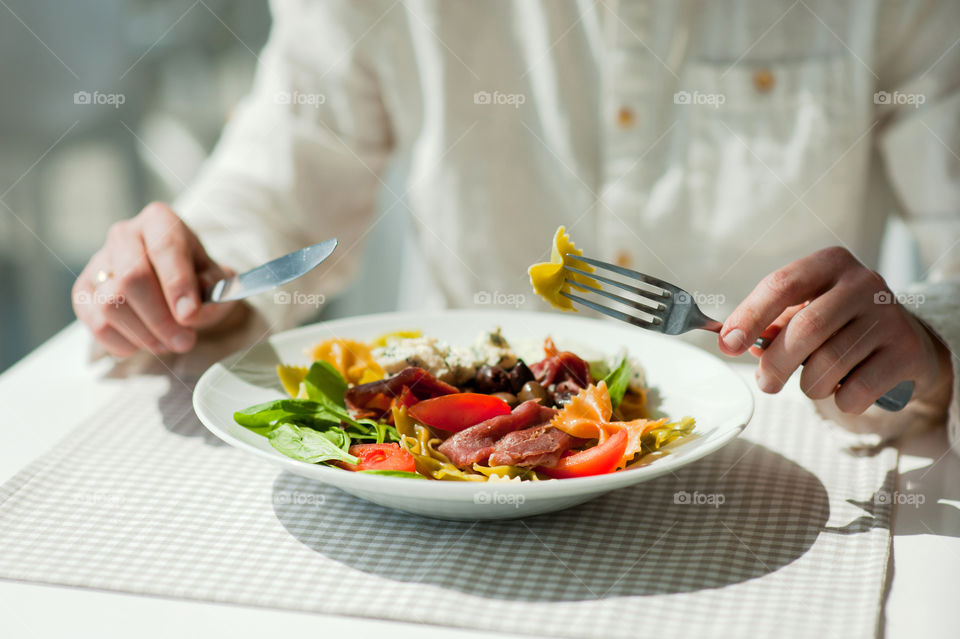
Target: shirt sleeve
{"x":299,"y":160}
{"x":918,"y":108}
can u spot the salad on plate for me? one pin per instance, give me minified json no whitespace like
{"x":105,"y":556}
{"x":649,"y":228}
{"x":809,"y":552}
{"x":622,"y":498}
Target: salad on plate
{"x":410,"y":405}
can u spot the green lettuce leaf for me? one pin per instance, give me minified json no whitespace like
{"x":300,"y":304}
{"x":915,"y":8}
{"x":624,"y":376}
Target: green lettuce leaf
{"x":617,"y":382}
{"x":326,"y":385}
{"x":262,"y":418}
{"x":324,"y":411}
{"x":598,"y":368}
{"x":309,"y":445}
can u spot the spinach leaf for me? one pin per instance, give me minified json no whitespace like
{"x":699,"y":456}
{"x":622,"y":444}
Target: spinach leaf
{"x":617,"y":382}
{"x":598,"y":369}
{"x":393,"y":473}
{"x":261,"y":418}
{"x":325,"y":384}
{"x":321,"y":421}
{"x":308,"y":445}
{"x":337,"y":436}
{"x":370,"y":430}
{"x":324,"y":411}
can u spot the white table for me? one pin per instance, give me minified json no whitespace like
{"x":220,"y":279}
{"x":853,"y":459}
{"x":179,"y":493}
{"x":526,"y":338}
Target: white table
{"x":925,"y":566}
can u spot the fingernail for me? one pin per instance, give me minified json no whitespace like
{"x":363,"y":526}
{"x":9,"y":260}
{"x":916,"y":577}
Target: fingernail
{"x":735,"y":340}
{"x":765,"y":383}
{"x":185,"y":306}
{"x":182,"y":342}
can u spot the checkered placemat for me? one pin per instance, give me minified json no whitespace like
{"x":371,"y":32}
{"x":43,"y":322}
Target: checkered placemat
{"x":779,"y":533}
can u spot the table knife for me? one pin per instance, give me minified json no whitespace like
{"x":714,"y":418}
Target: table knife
{"x":270,"y":275}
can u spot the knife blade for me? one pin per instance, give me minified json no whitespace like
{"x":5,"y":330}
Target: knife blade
{"x":270,"y":275}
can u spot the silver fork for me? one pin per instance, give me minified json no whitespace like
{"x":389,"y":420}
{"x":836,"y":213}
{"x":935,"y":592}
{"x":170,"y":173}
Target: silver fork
{"x":673,"y":310}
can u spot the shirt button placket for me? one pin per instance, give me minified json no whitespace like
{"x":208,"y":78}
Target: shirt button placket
{"x":629,"y":77}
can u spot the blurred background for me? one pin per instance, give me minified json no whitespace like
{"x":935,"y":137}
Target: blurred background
{"x":107,"y":105}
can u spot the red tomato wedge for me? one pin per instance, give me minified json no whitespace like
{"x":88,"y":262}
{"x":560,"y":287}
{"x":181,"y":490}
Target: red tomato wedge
{"x":380,"y":457}
{"x":599,"y":460}
{"x":406,"y":397}
{"x":454,"y":413}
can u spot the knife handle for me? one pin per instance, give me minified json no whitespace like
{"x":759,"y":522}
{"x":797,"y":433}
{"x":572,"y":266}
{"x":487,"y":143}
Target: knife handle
{"x":211,"y":294}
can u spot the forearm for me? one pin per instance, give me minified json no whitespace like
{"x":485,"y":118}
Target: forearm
{"x":285,"y":175}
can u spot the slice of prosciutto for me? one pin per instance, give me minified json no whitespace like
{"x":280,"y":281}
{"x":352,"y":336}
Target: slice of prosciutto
{"x":374,"y":398}
{"x":475,"y":444}
{"x":567,"y":370}
{"x":537,"y":446}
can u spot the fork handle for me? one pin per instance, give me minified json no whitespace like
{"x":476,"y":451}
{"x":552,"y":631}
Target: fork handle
{"x":893,"y":400}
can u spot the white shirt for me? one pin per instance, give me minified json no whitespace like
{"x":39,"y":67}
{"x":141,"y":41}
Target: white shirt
{"x":707,"y":143}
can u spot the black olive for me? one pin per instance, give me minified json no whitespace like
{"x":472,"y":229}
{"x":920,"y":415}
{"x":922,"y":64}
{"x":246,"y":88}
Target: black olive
{"x":509,"y":398}
{"x":491,"y":379}
{"x":533,"y":390}
{"x":519,"y":375}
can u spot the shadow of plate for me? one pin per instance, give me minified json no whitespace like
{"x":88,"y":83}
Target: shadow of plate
{"x":736,"y":515}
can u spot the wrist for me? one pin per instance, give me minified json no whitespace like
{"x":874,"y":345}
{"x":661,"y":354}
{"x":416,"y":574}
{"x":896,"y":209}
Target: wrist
{"x":937,"y":390}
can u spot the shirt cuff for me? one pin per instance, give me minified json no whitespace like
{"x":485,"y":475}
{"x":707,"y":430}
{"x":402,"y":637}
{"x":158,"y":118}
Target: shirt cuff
{"x":938,"y":306}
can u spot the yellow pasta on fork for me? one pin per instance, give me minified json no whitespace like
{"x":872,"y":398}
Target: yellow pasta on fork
{"x":549,"y":279}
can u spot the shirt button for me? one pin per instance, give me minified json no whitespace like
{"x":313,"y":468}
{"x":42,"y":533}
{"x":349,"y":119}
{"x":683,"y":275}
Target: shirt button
{"x":763,"y":80}
{"x":626,"y":117}
{"x":623,"y":259}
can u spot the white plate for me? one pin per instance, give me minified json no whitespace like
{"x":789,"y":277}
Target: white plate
{"x":689,"y":381}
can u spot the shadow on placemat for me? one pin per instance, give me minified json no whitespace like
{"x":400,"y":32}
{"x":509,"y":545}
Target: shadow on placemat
{"x":668,"y":535}
{"x":177,"y":415}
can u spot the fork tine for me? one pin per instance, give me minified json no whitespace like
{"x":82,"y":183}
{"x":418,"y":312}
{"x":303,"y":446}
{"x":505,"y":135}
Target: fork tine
{"x":656,"y":308}
{"x":646,"y":279}
{"x":646,"y":295}
{"x":625,"y":317}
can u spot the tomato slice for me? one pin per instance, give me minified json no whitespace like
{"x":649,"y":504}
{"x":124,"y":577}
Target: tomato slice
{"x":598,"y":460}
{"x":406,"y":397}
{"x":380,"y":457}
{"x":456,"y":412}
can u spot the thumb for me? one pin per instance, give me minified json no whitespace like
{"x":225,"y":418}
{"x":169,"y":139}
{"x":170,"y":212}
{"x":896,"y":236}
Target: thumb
{"x":211,"y":314}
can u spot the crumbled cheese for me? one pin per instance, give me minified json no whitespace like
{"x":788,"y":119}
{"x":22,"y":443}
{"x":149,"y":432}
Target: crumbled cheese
{"x":492,"y":348}
{"x":454,"y":365}
{"x":638,"y":378}
{"x":459,"y":364}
